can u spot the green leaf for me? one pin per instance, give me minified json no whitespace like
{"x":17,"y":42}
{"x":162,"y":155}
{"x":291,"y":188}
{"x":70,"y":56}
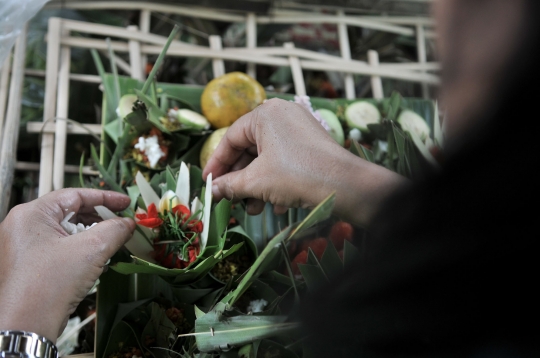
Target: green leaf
{"x":321,"y":212}
{"x":215,"y":332}
{"x":104,"y":173}
{"x":113,"y":288}
{"x":160,"y":58}
{"x":359,"y":150}
{"x":330,"y":261}
{"x":395,"y":104}
{"x":190,"y":295}
{"x":154,"y":112}
{"x":125,"y":308}
{"x":133,"y":193}
{"x":350,"y":253}
{"x":219,"y":221}
{"x":178,"y":276}
{"x":159,"y":326}
{"x":170,"y":179}
{"x":122,"y":336}
{"x":313,"y":276}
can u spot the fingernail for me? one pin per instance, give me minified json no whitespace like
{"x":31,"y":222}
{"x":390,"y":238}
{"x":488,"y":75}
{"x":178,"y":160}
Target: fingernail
{"x":130,"y":222}
{"x":215,"y":190}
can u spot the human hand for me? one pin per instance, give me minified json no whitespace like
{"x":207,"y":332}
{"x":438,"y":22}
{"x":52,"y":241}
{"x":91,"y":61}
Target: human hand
{"x":45,"y":272}
{"x":279,"y":153}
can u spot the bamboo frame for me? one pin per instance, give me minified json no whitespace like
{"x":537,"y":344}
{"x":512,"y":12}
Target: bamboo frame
{"x":10,"y":133}
{"x":139,"y":44}
{"x":4,"y":83}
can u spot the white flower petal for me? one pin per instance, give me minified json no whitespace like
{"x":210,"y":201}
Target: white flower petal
{"x":182,"y":185}
{"x":206,"y":212}
{"x":148,"y":194}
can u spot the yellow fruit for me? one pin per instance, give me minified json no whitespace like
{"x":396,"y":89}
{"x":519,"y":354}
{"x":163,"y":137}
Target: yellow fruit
{"x":228,"y":97}
{"x":210,"y":145}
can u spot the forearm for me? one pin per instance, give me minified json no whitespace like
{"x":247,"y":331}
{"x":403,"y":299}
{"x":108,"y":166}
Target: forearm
{"x":361,"y":187}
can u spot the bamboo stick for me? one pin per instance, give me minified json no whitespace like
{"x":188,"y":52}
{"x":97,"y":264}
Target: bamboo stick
{"x":376,"y":82}
{"x":251,"y":40}
{"x":72,"y":76}
{"x":202,"y":13}
{"x":8,"y":152}
{"x":50,"y":127}
{"x":74,"y":169}
{"x":217,"y":64}
{"x":119,"y":32}
{"x":353,"y":66}
{"x":296,"y":69}
{"x":4,"y":80}
{"x":60,"y":136}
{"x":145,"y":25}
{"x":350,"y":92}
{"x":123,"y":65}
{"x":329,"y":19}
{"x":135,"y":57}
{"x":49,"y":108}
{"x":422,"y":55}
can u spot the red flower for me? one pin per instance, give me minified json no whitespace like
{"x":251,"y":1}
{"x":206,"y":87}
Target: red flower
{"x":195,"y":226}
{"x":182,"y":212}
{"x":151,"y":218}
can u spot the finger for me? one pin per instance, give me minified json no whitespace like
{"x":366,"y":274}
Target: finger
{"x":61,"y":202}
{"x":280,"y":210}
{"x":89,"y":219}
{"x":254,"y":206}
{"x":236,"y":185}
{"x":242,"y":162}
{"x":236,"y":140}
{"x":102,"y":241}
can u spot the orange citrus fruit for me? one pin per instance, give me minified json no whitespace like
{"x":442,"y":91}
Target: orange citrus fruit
{"x":228,"y":97}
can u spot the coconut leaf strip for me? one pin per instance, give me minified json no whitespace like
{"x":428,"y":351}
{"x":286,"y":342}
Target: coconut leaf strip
{"x":104,"y":173}
{"x":160,"y":58}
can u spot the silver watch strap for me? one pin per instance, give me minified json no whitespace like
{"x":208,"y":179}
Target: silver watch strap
{"x":26,"y":345}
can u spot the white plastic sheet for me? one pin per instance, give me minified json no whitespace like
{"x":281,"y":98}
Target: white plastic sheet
{"x":13,"y":15}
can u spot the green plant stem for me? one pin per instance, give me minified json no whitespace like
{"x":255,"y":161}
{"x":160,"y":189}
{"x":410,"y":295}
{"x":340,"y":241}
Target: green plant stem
{"x":159,"y":60}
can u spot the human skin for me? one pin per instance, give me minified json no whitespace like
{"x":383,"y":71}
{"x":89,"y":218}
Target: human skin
{"x":279,"y":154}
{"x":298,"y":164}
{"x":45,"y":272}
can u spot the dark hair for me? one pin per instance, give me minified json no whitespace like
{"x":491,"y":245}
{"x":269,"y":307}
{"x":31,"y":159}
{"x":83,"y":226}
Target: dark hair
{"x":452,"y":267}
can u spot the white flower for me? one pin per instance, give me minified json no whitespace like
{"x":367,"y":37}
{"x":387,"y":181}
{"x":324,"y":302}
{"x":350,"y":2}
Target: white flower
{"x":256,"y":306}
{"x":71,"y":228}
{"x":168,"y":201}
{"x":150,"y":147}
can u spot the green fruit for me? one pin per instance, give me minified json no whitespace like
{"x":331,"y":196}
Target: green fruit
{"x":192,"y":119}
{"x":210,"y":145}
{"x":336,"y":129}
{"x":411,"y":122}
{"x":361,"y":113}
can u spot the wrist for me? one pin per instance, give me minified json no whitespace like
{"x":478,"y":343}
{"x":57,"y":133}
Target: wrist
{"x":361,"y":187}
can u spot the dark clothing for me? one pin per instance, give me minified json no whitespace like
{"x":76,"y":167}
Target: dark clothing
{"x":452,"y":265}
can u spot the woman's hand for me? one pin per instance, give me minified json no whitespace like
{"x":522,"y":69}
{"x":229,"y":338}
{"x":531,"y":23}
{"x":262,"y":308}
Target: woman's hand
{"x":44,"y":271}
{"x":279,"y":153}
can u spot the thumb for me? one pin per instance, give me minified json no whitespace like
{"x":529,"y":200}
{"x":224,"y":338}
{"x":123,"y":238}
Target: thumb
{"x":103,"y":240}
{"x":237,"y":185}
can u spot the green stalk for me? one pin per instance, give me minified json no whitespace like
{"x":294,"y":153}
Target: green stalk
{"x":159,"y":60}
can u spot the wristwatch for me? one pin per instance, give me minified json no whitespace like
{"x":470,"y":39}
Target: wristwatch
{"x":22,"y":344}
